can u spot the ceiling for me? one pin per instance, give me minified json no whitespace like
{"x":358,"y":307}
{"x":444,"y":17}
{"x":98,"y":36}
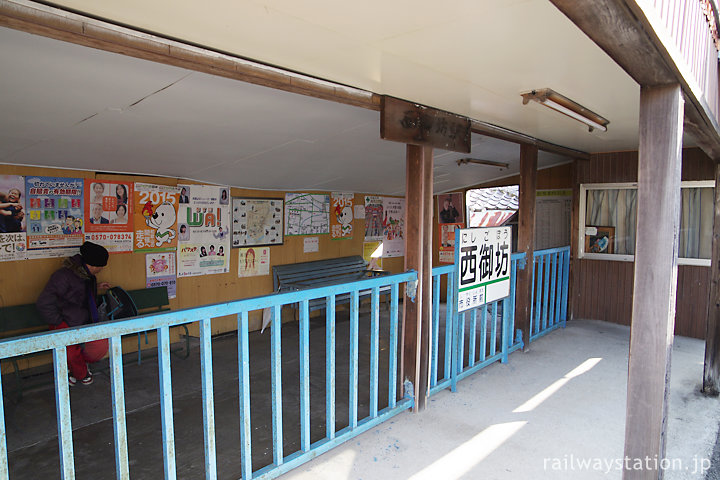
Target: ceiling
{"x":70,"y":106}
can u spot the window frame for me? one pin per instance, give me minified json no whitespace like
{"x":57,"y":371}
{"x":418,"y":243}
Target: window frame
{"x":585,"y":187}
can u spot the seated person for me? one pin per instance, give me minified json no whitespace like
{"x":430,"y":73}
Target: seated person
{"x":70,"y":299}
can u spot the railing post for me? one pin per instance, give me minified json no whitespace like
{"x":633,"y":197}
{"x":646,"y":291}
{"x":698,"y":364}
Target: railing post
{"x":122,"y":469}
{"x":208,"y":398}
{"x":244,"y":377}
{"x":166,"y":402}
{"x":62,"y":405}
{"x":505,"y":329}
{"x":276,"y":381}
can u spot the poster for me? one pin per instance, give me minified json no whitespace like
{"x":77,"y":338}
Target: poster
{"x":257,"y":221}
{"x":483,"y":266}
{"x":393,"y":227}
{"x":253,"y":262}
{"x":108,"y":214}
{"x":447,"y":242}
{"x":54,"y":215}
{"x":372,"y":254}
{"x":13,"y":239}
{"x":373,"y":218}
{"x":553,"y":215}
{"x":307,"y":214}
{"x":311,"y":244}
{"x":204,"y":226}
{"x":160,"y":271}
{"x":341,"y":215}
{"x":155,"y":210}
{"x":450,"y":208}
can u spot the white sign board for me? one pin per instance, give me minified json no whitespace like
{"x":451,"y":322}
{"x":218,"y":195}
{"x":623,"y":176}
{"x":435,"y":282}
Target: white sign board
{"x":482,"y":260}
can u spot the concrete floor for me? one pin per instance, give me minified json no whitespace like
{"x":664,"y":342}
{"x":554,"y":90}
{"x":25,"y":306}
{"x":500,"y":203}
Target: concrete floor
{"x":535,"y":417}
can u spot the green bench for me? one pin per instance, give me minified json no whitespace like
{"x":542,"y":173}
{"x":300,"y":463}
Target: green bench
{"x":323,"y":273}
{"x":25,"y":319}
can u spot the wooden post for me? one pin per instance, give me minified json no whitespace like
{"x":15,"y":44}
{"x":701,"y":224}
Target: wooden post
{"x":526,"y":237}
{"x":711,"y":371}
{"x":418,"y":249}
{"x":655,"y":283}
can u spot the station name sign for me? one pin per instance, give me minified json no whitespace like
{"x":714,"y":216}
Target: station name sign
{"x":406,"y":122}
{"x":482,"y":260}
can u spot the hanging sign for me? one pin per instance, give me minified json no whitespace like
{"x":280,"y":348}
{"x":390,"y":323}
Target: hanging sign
{"x":483,"y":265}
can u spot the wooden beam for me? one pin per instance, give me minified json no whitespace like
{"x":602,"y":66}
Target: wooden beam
{"x":490,"y":130}
{"x":526,"y":237}
{"x":711,"y":370}
{"x":416,"y":312}
{"x":69,"y":27}
{"x":621,"y":29}
{"x":655,"y":283}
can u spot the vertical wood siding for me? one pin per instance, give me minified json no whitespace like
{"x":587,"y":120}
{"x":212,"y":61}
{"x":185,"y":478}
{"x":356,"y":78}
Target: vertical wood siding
{"x":602,"y":289}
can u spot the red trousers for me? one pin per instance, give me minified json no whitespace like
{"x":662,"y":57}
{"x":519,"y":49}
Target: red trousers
{"x":79,"y":356}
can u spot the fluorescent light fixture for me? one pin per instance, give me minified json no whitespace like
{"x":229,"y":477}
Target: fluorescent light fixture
{"x":490,"y":163}
{"x":562,"y":104}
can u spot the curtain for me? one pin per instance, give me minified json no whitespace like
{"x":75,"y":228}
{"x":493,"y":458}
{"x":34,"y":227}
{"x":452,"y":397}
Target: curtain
{"x":618,"y":208}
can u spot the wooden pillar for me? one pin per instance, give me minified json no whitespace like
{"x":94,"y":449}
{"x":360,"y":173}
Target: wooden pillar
{"x":526,"y":237}
{"x":418,"y":256}
{"x":655,"y":283}
{"x":711,"y":373}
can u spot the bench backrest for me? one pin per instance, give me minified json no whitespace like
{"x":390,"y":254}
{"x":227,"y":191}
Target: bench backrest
{"x":21,"y":317}
{"x":153,"y":299}
{"x":316,"y":270}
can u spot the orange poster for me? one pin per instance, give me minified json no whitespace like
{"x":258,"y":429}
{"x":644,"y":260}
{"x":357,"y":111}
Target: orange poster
{"x":341,"y":215}
{"x":108,"y":214}
{"x":156,"y":209}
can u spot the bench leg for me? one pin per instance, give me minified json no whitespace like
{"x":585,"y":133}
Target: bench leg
{"x":18,"y":380}
{"x":187,"y":343}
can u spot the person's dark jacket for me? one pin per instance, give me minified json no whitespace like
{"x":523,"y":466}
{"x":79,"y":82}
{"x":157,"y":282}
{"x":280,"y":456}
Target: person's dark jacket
{"x":65,"y":297}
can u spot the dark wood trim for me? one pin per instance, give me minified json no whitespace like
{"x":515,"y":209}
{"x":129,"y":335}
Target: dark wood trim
{"x":628,"y":38}
{"x":711,"y":370}
{"x":655,"y":281}
{"x":62,"y":25}
{"x":526,"y":237}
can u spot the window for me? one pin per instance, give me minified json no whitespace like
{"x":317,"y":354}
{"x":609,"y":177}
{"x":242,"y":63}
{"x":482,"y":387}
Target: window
{"x":608,"y":218}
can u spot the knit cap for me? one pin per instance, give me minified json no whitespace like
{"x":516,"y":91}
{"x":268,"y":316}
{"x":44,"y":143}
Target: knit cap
{"x":93,"y":254}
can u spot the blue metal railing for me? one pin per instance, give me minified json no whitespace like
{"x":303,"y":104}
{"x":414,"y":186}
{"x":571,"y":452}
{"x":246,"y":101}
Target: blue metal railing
{"x":57,"y":341}
{"x":497,"y":327}
{"x":548,"y":306}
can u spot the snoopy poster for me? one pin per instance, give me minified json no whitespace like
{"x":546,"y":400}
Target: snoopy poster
{"x":155,"y":217}
{"x":204,"y":223}
{"x":341,"y":215}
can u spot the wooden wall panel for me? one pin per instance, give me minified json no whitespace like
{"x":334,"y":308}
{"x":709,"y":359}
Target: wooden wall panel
{"x":615,"y":279}
{"x":21,"y":282}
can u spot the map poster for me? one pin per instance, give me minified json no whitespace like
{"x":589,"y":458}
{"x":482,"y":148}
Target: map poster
{"x":108,"y":214}
{"x":393,"y":227}
{"x":160,"y":271}
{"x":257,"y":221}
{"x":54,"y":215}
{"x":373,"y":218}
{"x":447,"y":242}
{"x":204,"y":238}
{"x":154,"y":213}
{"x":253,"y":262}
{"x":307,"y":214}
{"x":341,"y":215}
{"x":13,"y":239}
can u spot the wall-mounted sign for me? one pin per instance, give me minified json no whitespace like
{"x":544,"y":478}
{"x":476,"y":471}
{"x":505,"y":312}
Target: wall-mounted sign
{"x":482,"y":261}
